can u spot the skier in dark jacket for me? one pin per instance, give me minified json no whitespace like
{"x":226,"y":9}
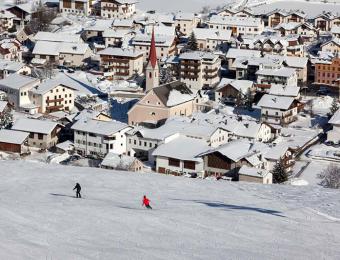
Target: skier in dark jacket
{"x":78,"y":189}
{"x":146,"y":202}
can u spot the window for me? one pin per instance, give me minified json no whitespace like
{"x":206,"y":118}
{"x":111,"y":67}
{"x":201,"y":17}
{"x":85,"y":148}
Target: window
{"x":111,"y":146}
{"x":31,"y":135}
{"x":40,"y":136}
{"x":174,"y":162}
{"x":134,"y":142}
{"x":145,"y":144}
{"x":189,"y":165}
{"x":91,"y":134}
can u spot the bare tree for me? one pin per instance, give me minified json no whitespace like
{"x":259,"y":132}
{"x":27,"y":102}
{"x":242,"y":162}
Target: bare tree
{"x":41,"y":18}
{"x":330,"y":177}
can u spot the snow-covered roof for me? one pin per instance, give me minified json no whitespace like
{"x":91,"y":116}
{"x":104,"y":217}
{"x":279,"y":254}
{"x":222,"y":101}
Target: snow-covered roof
{"x":48,"y":85}
{"x":240,"y":85}
{"x":198,"y":55}
{"x":129,"y":2}
{"x":99,"y":127}
{"x":235,"y":150}
{"x":99,"y":25}
{"x":335,"y":29}
{"x":212,"y":34}
{"x":34,"y":125}
{"x":276,"y":152}
{"x":277,"y":102}
{"x":65,"y":146}
{"x":235,"y":53}
{"x":55,"y":48}
{"x":12,"y":137}
{"x":182,"y":148}
{"x":17,"y":81}
{"x":184,"y":16}
{"x":57,"y":37}
{"x":281,"y":90}
{"x":235,"y":21}
{"x":115,"y":33}
{"x":122,"y":23}
{"x":253,"y":172}
{"x":288,"y":26}
{"x":160,"y":40}
{"x":4,"y":14}
{"x":335,"y":119}
{"x":118,"y":161}
{"x":130,"y":53}
{"x":278,"y":72}
{"x":11,"y":65}
{"x":290,"y":61}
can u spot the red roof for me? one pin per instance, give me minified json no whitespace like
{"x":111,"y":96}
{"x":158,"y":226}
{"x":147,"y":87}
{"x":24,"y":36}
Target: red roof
{"x":152,"y":54}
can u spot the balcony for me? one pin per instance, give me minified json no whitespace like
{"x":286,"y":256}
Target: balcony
{"x":54,"y":100}
{"x":193,"y":70}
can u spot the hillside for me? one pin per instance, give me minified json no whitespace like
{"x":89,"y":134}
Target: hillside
{"x":192,"y":218}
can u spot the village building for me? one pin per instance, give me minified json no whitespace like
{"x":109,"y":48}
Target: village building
{"x":332,"y":46}
{"x":11,"y":50}
{"x":227,"y":159}
{"x":6,"y":20}
{"x":115,"y":37}
{"x":186,"y":22}
{"x":121,"y":162}
{"x":333,"y":135}
{"x":13,"y":141}
{"x":234,"y":54}
{"x":199,"y":69}
{"x":17,"y":87}
{"x":121,"y":63}
{"x":43,"y":134}
{"x":171,"y":160}
{"x":326,"y":21}
{"x":328,"y":73}
{"x":238,"y":25}
{"x":13,"y":67}
{"x":277,"y":17}
{"x":165,"y":45}
{"x":51,"y":96}
{"x":231,"y":91}
{"x":78,"y":7}
{"x":97,"y":138}
{"x":305,"y":30}
{"x":280,"y":75}
{"x":62,"y":53}
{"x":252,"y":174}
{"x":121,"y":9}
{"x":278,"y":110}
{"x":160,"y":103}
{"x":210,"y":39}
{"x":243,"y":12}
{"x":335,"y":31}
{"x":279,"y":152}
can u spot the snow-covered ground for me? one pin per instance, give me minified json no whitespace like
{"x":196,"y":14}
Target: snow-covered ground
{"x":192,"y":218}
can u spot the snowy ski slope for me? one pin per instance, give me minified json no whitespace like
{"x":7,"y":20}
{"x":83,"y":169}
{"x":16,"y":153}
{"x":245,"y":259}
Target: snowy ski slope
{"x":192,"y":218}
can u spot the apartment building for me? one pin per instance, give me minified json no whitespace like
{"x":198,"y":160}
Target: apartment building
{"x":51,"y":96}
{"x":121,"y":63}
{"x":327,"y":72}
{"x":277,"y":75}
{"x":199,"y":69}
{"x":277,"y":17}
{"x":121,"y":9}
{"x":98,"y":138}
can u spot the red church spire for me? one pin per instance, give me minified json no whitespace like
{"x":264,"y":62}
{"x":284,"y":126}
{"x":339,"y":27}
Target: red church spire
{"x":152,"y":54}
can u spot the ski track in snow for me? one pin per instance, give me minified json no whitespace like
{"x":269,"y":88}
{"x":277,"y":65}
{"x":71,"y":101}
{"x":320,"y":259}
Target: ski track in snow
{"x":192,"y":218}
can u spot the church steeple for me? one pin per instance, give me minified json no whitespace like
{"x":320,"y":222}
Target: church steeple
{"x":152,"y":70}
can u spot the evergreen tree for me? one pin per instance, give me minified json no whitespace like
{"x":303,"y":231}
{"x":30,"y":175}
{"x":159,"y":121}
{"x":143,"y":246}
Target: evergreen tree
{"x":192,"y":42}
{"x":249,"y":99}
{"x":6,"y":119}
{"x":279,"y":173}
{"x":334,"y":106}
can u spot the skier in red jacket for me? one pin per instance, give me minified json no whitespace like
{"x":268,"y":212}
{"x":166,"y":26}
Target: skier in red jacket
{"x":146,"y":202}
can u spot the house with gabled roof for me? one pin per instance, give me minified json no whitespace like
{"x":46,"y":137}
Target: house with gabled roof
{"x":122,"y":9}
{"x":160,"y":103}
{"x":42,"y":133}
{"x":332,"y":46}
{"x":278,"y":110}
{"x":252,"y":174}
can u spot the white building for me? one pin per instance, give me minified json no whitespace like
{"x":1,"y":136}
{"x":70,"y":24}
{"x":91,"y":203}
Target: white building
{"x":79,"y":7}
{"x":238,"y":25}
{"x":172,"y":160}
{"x":278,"y":110}
{"x":51,"y":96}
{"x":212,"y":39}
{"x":186,"y":22}
{"x":97,"y":138}
{"x":17,"y":88}
{"x":281,"y":75}
{"x":121,"y":9}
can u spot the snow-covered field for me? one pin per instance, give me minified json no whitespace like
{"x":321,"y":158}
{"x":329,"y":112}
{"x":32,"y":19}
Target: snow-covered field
{"x":192,"y":218}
